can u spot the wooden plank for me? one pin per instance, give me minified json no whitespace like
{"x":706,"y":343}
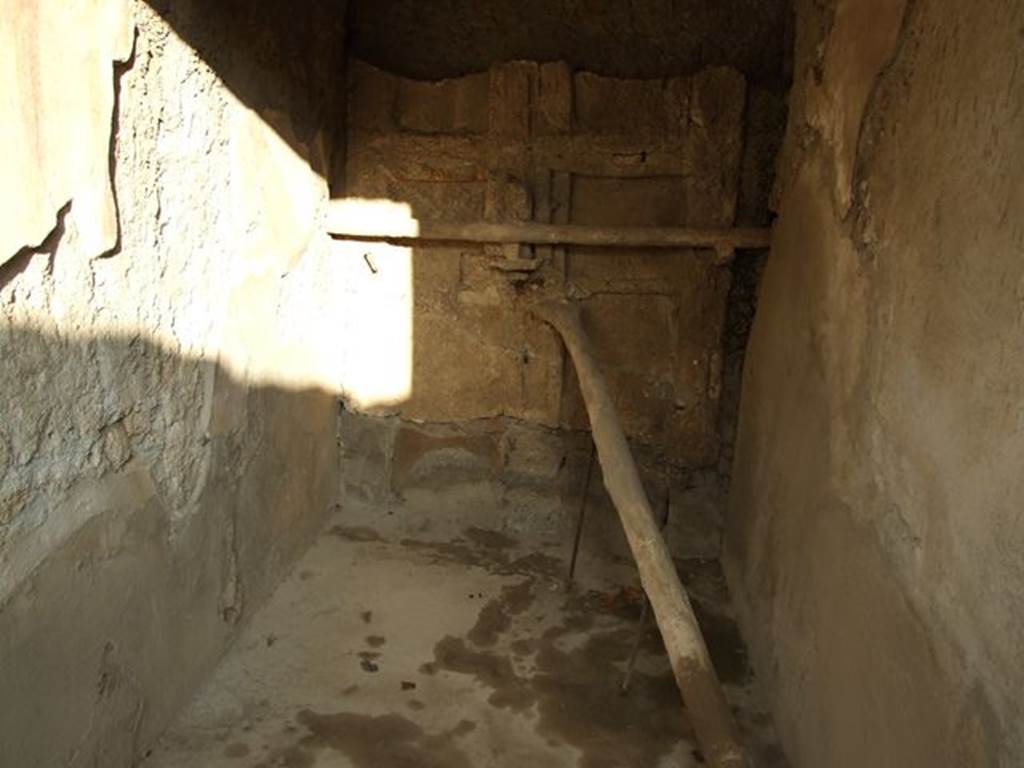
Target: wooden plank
{"x":553,"y":99}
{"x":701,"y":691}
{"x":509,"y":117}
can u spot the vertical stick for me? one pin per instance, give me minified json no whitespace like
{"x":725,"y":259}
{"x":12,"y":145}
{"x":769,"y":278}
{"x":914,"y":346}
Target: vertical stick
{"x":582,"y":514}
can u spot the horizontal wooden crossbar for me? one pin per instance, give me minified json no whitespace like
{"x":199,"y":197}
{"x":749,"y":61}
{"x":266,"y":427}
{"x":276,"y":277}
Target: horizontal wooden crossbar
{"x":342,"y":224}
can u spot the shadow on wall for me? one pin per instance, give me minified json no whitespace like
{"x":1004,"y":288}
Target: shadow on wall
{"x":109,"y":595}
{"x":442,"y":334}
{"x":279,"y":58}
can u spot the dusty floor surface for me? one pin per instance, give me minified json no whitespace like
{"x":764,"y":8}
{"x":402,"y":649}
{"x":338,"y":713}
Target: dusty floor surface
{"x":471,"y":652}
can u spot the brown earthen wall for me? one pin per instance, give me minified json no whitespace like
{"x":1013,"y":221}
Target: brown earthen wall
{"x":527,"y":141}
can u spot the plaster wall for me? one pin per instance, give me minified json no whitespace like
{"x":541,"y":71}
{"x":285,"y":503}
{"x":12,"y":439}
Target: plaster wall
{"x":875,"y":544}
{"x":168,"y":416}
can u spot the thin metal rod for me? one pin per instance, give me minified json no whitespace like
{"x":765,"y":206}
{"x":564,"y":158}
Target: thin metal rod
{"x":582,"y":513}
{"x":627,"y":678}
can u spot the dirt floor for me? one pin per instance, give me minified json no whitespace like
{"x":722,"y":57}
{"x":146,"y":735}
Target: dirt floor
{"x":470,"y":652}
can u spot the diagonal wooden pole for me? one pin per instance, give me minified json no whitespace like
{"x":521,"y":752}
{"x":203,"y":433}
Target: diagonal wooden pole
{"x":702,"y":694}
{"x":645,"y":614}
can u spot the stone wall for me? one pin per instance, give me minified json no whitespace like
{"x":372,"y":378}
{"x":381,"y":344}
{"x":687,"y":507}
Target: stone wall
{"x":168,"y":424}
{"x":875,"y":539}
{"x":493,"y":416}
